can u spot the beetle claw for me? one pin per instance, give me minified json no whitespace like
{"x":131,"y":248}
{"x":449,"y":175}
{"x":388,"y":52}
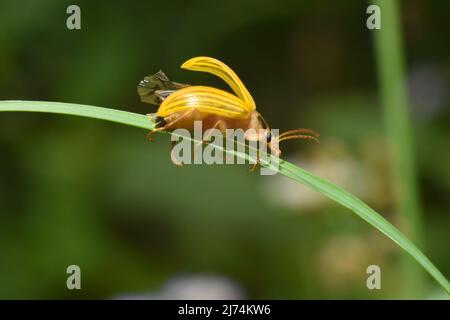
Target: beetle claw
{"x":255,"y":165}
{"x":149,"y":136}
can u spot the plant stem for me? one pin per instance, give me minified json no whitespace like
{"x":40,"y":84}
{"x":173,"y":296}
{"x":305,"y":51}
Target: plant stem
{"x":389,"y":54}
{"x":289,"y":170}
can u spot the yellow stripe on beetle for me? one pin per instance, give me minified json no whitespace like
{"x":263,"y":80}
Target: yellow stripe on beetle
{"x":206,"y":100}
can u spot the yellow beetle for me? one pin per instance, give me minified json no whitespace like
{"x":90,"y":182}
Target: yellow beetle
{"x":180,"y":105}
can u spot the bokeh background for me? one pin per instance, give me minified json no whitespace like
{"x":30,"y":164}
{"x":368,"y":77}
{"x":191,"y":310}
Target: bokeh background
{"x":99,"y":195}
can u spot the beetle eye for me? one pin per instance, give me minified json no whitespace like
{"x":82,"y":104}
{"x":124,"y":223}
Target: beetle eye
{"x":269,"y":137}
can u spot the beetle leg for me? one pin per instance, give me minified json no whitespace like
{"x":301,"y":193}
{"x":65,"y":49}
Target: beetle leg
{"x":171,"y":123}
{"x":166,"y":124}
{"x":149,"y":135}
{"x":219,"y":123}
{"x":252,"y":169}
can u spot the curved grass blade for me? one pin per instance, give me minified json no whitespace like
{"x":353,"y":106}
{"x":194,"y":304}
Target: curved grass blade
{"x":288,"y":169}
{"x":114,"y":115}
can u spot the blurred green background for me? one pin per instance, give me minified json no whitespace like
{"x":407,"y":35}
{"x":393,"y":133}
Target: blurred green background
{"x":99,"y":195}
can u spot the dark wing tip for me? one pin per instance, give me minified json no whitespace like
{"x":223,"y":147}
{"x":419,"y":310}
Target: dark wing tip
{"x":148,"y":87}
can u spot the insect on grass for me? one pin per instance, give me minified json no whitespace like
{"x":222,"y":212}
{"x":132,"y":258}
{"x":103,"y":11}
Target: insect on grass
{"x":181,"y":105}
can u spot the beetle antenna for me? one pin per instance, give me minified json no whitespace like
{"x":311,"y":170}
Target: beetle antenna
{"x":307,"y":131}
{"x":299,"y":136}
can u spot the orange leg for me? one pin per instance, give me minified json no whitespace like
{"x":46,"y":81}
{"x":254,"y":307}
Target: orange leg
{"x":253,"y":168}
{"x":149,"y":135}
{"x":219,"y":124}
{"x":172,"y":143}
{"x":182,"y":116}
{"x":169,"y":124}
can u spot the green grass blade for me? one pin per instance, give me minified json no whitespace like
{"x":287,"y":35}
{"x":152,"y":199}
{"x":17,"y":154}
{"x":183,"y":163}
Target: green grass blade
{"x":114,"y":115}
{"x":288,"y":169}
{"x":366,"y":213}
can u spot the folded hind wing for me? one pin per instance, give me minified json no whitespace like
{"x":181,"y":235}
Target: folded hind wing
{"x":154,"y":88}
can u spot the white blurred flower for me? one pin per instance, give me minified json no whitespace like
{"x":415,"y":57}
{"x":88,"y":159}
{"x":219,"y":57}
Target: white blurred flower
{"x":365,"y":175}
{"x":192,"y":287}
{"x":331,"y":162}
